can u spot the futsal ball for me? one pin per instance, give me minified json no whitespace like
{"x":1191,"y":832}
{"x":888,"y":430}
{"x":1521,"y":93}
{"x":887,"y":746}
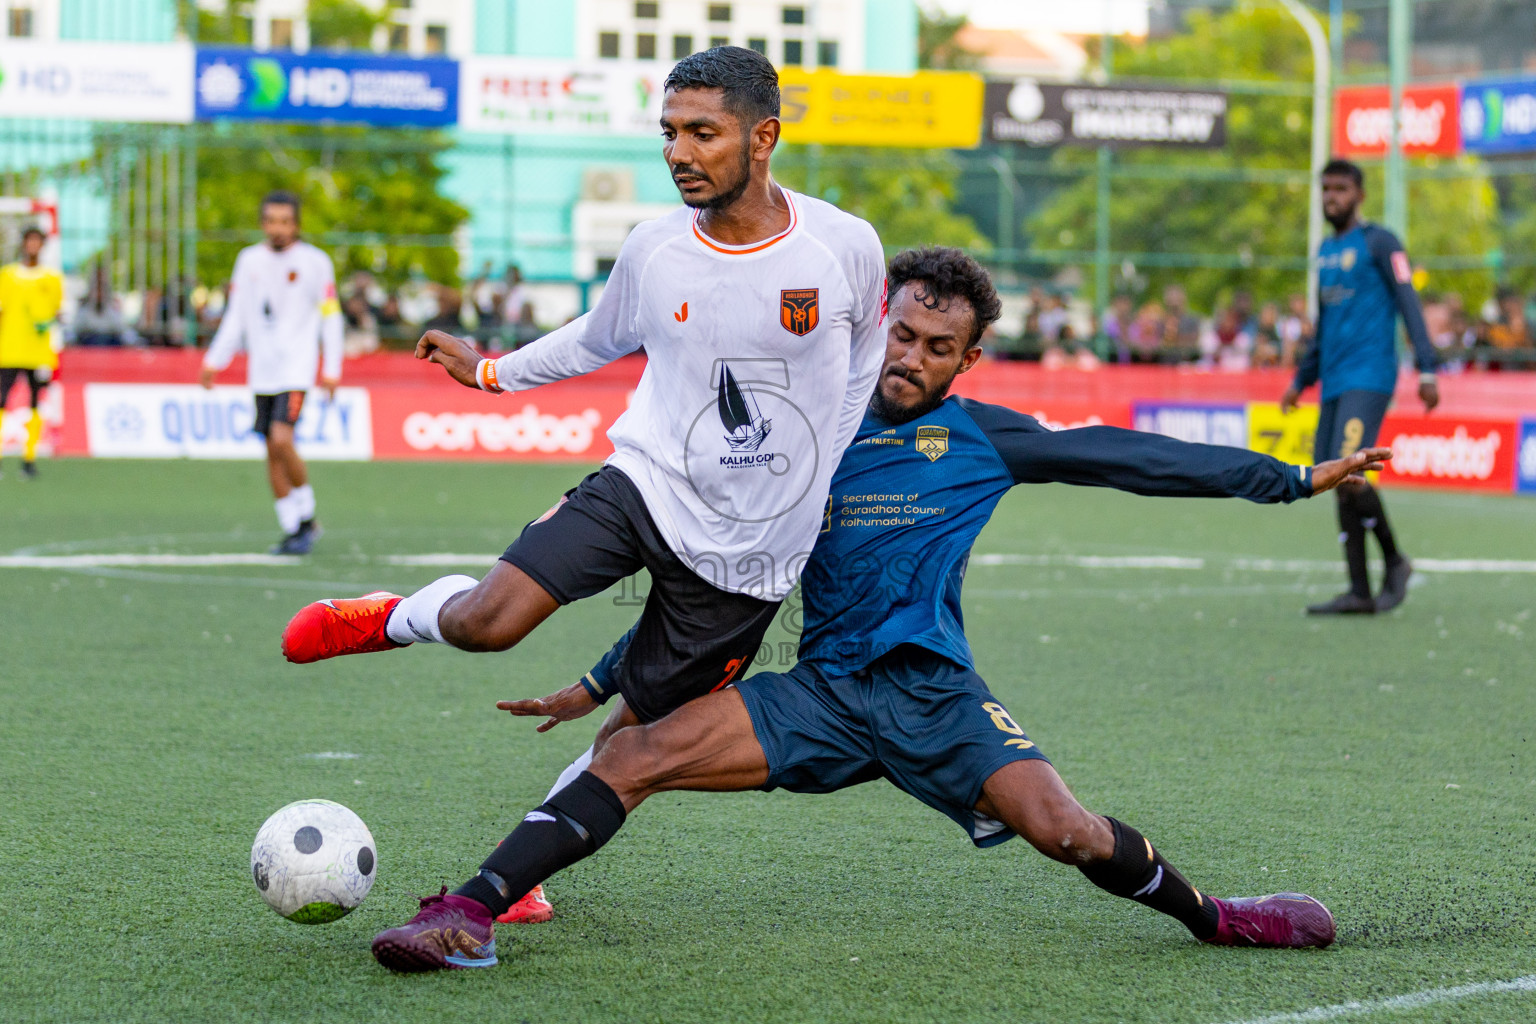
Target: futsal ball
{"x":313,"y":861}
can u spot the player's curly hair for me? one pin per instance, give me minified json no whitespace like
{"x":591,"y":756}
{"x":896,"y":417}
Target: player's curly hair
{"x":750,"y":83}
{"x":948,"y":274}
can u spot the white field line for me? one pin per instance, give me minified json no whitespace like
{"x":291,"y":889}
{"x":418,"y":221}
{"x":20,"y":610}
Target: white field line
{"x":1397,"y":1004}
{"x":1131,"y":562}
{"x":127,"y":561}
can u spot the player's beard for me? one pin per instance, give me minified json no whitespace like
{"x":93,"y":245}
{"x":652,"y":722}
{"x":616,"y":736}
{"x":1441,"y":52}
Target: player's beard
{"x":724,"y":198}
{"x":895,"y":414}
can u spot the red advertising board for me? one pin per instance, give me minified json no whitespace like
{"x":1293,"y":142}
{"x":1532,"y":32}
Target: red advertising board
{"x":559,"y":422}
{"x":1451,"y":452}
{"x":1362,"y":120}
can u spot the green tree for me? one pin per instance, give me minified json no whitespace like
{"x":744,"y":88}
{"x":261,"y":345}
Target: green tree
{"x":374,"y":192}
{"x":1247,"y":202}
{"x":342,"y":24}
{"x":907,"y":194}
{"x":938,"y":45}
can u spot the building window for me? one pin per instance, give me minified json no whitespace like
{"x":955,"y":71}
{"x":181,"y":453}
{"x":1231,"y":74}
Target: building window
{"x":719,"y":12}
{"x":645,"y":46}
{"x":826,"y":53}
{"x":646,"y":10}
{"x":21,"y":23}
{"x":794,"y":52}
{"x":794,"y":15}
{"x":718,"y":41}
{"x":437,"y":39}
{"x":760,"y":45}
{"x":682,"y":46}
{"x":282,"y":34}
{"x":399,"y":38}
{"x":608,"y":44}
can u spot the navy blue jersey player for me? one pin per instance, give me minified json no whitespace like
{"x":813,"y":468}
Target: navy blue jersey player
{"x":886,"y":686}
{"x":1364,"y":284}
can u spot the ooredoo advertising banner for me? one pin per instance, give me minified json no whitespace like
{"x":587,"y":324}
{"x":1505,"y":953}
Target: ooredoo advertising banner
{"x":560,"y":423}
{"x":284,"y":86}
{"x":1449,"y":452}
{"x":146,"y":82}
{"x":159,"y":421}
{"x":1362,"y":120}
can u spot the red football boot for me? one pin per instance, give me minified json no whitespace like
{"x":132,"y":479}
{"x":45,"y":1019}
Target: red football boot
{"x":1285,"y":920}
{"x":448,"y":931}
{"x":531,"y":909}
{"x":340,"y":625}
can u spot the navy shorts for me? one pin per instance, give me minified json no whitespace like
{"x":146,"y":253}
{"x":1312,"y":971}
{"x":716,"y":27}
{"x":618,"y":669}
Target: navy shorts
{"x":928,"y":724}
{"x":692,"y":636}
{"x":37,"y":380}
{"x":1348,"y":423}
{"x":283,"y":407}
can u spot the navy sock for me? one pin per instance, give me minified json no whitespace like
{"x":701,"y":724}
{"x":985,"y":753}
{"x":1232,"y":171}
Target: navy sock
{"x":1373,"y":516}
{"x":572,"y":825}
{"x":1352,"y":534}
{"x":1137,"y":872}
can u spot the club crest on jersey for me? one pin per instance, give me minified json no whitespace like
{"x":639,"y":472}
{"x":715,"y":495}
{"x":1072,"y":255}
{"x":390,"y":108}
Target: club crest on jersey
{"x":293,"y":275}
{"x":933,"y":442}
{"x":798,"y":310}
{"x":1347,"y":260}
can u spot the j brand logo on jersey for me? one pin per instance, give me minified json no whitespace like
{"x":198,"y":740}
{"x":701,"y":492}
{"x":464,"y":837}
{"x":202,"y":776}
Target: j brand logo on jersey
{"x":681,"y":316}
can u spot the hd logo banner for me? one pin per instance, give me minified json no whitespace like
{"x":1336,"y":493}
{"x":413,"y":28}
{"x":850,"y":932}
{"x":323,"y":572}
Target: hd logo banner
{"x":145,"y":82}
{"x":281,"y":86}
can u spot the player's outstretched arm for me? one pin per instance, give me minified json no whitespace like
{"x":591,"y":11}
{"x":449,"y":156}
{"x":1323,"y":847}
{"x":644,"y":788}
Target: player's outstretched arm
{"x":455,"y":355}
{"x":561,"y":706}
{"x":1352,"y":469}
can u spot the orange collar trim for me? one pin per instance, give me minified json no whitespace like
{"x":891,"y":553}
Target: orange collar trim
{"x":743,"y":250}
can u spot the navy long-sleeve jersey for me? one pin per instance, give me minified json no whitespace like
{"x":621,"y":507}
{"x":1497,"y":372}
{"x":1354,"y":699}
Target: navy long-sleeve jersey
{"x":1364,"y":284}
{"x":908,"y":502}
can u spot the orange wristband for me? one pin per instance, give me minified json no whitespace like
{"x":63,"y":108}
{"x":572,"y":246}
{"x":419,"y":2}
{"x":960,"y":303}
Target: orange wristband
{"x":485,"y":374}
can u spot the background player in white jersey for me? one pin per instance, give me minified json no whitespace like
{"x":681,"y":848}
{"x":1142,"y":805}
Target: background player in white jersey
{"x":283,"y":311}
{"x":759,"y":311}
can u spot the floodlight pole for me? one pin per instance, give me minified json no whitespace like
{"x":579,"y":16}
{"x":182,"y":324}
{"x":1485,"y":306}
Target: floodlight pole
{"x":1399,"y":42}
{"x":1321,"y":99}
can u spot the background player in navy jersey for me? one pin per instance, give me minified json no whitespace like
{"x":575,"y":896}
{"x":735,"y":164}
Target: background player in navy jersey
{"x":885,"y":685}
{"x":1364,"y":283}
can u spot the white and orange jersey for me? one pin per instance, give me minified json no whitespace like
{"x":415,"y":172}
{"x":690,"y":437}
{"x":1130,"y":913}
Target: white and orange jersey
{"x":761,"y":359}
{"x":282,"y":310}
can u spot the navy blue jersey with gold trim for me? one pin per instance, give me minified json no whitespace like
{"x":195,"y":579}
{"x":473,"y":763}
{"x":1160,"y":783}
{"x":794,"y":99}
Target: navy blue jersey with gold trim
{"x":908,"y":502}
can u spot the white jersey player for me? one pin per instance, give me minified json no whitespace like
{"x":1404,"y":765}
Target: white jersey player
{"x":282,"y":311}
{"x":759,"y":311}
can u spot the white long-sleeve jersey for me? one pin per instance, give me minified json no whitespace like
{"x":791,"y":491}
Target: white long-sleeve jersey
{"x":282,"y":310}
{"x":760,"y":361}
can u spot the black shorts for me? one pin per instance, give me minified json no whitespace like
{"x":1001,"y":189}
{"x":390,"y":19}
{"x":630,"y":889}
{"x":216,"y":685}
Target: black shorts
{"x":283,"y":407}
{"x":692,"y":636}
{"x":36,"y":381}
{"x":1348,"y":423}
{"x":928,"y":724}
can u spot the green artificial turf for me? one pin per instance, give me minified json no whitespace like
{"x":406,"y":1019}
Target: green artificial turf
{"x":149,"y":725}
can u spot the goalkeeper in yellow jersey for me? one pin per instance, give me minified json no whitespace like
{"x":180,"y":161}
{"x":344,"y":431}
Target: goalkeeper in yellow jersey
{"x":30,"y":297}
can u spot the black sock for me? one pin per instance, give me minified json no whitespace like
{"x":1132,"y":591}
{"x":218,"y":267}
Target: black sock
{"x":1138,"y":872}
{"x":1373,"y":516}
{"x":574,"y":824}
{"x":1352,"y":534}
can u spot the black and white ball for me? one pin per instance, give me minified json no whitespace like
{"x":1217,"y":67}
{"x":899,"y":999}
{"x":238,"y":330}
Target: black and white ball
{"x":313,"y":861}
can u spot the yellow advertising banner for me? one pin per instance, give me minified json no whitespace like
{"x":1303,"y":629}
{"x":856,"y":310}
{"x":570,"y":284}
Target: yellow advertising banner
{"x":923,"y":109}
{"x":1287,"y":437}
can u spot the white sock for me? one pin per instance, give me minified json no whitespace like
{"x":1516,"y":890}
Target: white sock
{"x":572,"y":770}
{"x":304,"y":498}
{"x":415,"y":617}
{"x":288,"y":517}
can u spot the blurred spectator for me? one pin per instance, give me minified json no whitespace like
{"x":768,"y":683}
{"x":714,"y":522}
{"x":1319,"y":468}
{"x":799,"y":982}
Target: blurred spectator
{"x":1266,"y":336}
{"x":447,"y":318}
{"x":1226,"y":345}
{"x":100,"y":320}
{"x":515,"y":297}
{"x":1181,"y":327}
{"x":1054,"y":318}
{"x":1117,"y":326}
{"x":1510,"y":335}
{"x":165,"y":317}
{"x":1242,"y":307}
{"x":1145,"y":336}
{"x":389,"y":322}
{"x":482,"y":294}
{"x":1295,"y":330}
{"x":361,"y":335}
